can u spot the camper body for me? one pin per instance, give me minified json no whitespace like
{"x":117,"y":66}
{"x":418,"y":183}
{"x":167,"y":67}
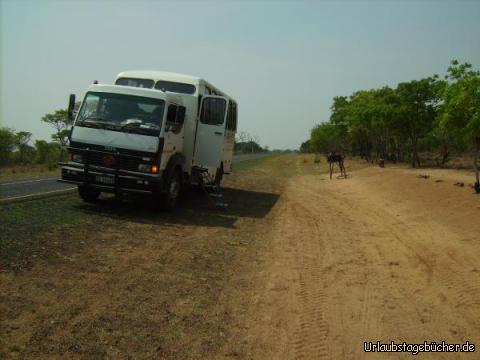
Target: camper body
{"x":150,"y":133}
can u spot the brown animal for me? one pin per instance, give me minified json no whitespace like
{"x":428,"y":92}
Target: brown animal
{"x":333,"y":158}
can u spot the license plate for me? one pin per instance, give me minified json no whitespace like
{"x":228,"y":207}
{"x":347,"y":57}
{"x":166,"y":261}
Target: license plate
{"x":105,"y":179}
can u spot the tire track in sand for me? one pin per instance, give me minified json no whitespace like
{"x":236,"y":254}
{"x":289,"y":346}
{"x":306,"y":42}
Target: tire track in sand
{"x":310,"y":337}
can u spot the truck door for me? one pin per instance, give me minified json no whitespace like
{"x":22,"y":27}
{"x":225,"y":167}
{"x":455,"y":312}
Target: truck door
{"x":210,"y":131}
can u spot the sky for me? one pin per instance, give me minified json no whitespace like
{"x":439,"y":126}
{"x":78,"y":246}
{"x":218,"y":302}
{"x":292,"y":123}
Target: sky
{"x":283,"y":61}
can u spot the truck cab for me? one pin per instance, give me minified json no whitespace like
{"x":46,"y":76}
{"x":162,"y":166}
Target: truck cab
{"x":136,"y":137}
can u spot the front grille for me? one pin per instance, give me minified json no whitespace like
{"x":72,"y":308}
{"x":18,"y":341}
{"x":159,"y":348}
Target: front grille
{"x":95,"y":158}
{"x":130,"y":164}
{"x":100,"y":148}
{"x":114,"y":161}
{"x":123,"y":159}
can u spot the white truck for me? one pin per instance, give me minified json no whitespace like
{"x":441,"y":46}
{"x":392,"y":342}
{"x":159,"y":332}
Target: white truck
{"x":151,"y":133}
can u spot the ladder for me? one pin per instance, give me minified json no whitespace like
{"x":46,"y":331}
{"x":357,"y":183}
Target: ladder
{"x":212,"y":190}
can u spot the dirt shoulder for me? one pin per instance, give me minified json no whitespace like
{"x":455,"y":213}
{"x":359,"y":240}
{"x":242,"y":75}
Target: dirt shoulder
{"x":125,"y":280}
{"x":383,"y":256}
{"x":299,"y":267}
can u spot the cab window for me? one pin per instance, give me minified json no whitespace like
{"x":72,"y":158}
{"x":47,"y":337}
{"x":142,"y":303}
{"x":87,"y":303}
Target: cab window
{"x":171,"y":113}
{"x":175,"y":118}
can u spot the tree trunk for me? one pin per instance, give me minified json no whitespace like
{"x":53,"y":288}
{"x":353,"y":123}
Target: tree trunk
{"x":414,"y":152}
{"x":475,"y":164}
{"x":445,"y":153}
{"x":418,"y":158}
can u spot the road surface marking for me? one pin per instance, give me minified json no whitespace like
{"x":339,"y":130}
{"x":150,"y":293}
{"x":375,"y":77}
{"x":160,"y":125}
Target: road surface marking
{"x":36,"y":194}
{"x":26,"y":181}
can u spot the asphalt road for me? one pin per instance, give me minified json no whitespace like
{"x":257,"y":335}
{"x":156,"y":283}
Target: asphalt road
{"x":39,"y":187}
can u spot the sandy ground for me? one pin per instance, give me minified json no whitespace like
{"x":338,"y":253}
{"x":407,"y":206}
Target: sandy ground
{"x":381,"y":256}
{"x":300,"y":267}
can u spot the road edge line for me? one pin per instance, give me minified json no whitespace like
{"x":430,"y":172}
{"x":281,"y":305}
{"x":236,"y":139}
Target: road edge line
{"x":36,"y":195}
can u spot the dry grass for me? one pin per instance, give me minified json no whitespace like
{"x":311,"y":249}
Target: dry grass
{"x":124,"y":280}
{"x":17,"y":172}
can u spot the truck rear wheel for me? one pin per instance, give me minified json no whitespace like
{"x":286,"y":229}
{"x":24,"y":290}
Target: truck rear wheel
{"x":88,"y":194}
{"x":218,"y":176}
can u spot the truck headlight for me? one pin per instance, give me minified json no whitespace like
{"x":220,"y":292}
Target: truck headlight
{"x":77,"y":158}
{"x":145,"y":168}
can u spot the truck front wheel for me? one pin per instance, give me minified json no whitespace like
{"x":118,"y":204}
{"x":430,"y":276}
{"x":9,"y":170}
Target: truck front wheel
{"x":88,"y":194}
{"x":169,"y":198}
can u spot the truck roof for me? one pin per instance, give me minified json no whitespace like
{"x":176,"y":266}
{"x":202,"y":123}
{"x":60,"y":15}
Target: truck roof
{"x":169,"y":76}
{"x":161,"y":75}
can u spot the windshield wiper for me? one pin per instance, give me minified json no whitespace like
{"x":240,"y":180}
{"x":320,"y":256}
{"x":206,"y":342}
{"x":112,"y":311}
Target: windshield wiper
{"x":136,"y":127}
{"x":132,"y":125}
{"x":98,"y":123}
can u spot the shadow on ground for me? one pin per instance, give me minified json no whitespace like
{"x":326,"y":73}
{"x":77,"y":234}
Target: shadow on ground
{"x":195,"y":208}
{"x":26,"y":228}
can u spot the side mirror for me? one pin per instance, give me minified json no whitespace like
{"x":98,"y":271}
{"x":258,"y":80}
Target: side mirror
{"x":71,"y":106}
{"x":180,"y":118}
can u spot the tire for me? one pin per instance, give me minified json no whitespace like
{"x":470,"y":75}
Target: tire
{"x":218,"y":176}
{"x":88,"y":194}
{"x":169,"y":198}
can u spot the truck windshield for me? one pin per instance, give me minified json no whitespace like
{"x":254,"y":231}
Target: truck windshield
{"x":118,"y":112}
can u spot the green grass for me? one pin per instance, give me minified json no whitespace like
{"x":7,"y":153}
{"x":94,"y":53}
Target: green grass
{"x":248,"y":164}
{"x":26,"y":227}
{"x":31,"y":216}
{"x":22,"y":225}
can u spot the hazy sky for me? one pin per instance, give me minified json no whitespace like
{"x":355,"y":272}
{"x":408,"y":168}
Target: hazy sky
{"x":283,"y":61}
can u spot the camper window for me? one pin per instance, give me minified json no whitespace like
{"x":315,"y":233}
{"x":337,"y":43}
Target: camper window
{"x":213,"y":111}
{"x":232,"y":116}
{"x":175,"y":87}
{"x":141,"y":83}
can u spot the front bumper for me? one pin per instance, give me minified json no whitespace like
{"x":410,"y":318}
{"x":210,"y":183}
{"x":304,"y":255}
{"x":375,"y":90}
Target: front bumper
{"x":110,"y":179}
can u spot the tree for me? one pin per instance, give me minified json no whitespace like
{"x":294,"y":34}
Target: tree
{"x":305,"y":147}
{"x":22,"y":138}
{"x":461,"y":108}
{"x":339,"y":115}
{"x":61,"y":123}
{"x":427,"y":115}
{"x":7,"y":144}
{"x":326,"y":137}
{"x":359,"y":118}
{"x":418,"y":105}
{"x":241,"y":136}
{"x":247,"y":143}
{"x":46,"y":152}
{"x":339,"y":110}
{"x":255,"y":144}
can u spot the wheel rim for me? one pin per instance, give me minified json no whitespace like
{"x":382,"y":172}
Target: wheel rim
{"x":174,"y":187}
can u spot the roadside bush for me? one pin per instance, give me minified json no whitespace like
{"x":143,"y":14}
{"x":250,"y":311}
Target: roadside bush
{"x":51,"y":165}
{"x":7,"y":144}
{"x":47,"y":152}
